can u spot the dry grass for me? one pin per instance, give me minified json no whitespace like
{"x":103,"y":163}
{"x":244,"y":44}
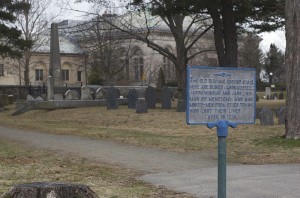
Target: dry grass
{"x":19,"y":164}
{"x":165,"y":129}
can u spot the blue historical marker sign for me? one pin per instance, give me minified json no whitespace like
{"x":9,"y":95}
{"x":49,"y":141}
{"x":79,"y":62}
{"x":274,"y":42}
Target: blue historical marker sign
{"x":220,"y":93}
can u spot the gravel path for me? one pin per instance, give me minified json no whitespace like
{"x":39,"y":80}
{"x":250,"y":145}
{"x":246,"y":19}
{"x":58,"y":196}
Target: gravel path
{"x":138,"y":158}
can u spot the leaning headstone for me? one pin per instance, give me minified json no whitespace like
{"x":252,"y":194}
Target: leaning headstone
{"x":112,"y":98}
{"x":282,"y":115}
{"x":268,"y":92}
{"x":86,"y":93}
{"x":266,"y":117}
{"x":150,"y":96}
{"x":166,"y":97}
{"x":50,"y":190}
{"x":132,"y":98}
{"x":70,"y":95}
{"x":281,"y":96}
{"x":100,"y":93}
{"x":58,"y":97}
{"x":141,"y":106}
{"x":30,"y":98}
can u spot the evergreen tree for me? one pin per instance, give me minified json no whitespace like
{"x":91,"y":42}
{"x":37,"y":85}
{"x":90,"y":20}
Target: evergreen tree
{"x":10,"y":37}
{"x":274,"y":64}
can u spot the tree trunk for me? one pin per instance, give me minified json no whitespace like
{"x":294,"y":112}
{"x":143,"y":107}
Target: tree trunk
{"x":26,"y":68}
{"x":292,"y":25}
{"x":230,"y":35}
{"x":218,"y":31}
{"x":50,"y":190}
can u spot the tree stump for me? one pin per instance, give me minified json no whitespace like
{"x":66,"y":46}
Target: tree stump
{"x":50,"y":190}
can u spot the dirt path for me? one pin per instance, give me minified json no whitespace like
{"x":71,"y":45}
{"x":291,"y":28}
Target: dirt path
{"x":141,"y":159}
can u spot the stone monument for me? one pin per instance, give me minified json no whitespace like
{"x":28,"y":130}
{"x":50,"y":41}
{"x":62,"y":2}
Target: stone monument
{"x":55,"y":64}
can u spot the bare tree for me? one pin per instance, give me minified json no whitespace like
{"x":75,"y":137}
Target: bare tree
{"x":292,"y":58}
{"x":109,"y":51}
{"x":33,"y":23}
{"x":185,"y":28}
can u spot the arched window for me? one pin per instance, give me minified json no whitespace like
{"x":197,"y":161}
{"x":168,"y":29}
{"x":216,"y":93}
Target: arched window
{"x":137,"y":63}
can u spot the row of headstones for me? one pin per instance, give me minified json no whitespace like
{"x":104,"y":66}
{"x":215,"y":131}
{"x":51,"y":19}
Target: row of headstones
{"x":275,"y":96}
{"x":140,"y":104}
{"x":267,"y":118}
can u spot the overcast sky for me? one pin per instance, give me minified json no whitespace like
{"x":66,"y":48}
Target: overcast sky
{"x":278,"y":37}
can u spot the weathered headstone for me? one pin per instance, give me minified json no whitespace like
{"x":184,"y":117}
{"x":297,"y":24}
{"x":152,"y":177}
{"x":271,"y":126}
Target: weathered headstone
{"x":50,"y":90}
{"x":282,"y":115}
{"x":11,"y":99}
{"x":4,"y":99}
{"x":29,"y":98}
{"x":50,"y":190}
{"x":112,"y":98}
{"x":55,"y":63}
{"x":86,"y":93}
{"x":160,"y":84}
{"x":266,"y":117}
{"x":100,"y":93}
{"x":58,"y":97}
{"x":268,"y":93}
{"x":71,"y":95}
{"x":141,"y":106}
{"x":275,"y":96}
{"x":166,"y":97}
{"x":39,"y":98}
{"x":257,"y":113}
{"x":132,"y":98}
{"x":150,"y":97}
{"x":281,"y":96}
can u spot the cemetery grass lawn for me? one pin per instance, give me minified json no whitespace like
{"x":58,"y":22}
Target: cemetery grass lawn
{"x":165,"y":129}
{"x":19,"y":164}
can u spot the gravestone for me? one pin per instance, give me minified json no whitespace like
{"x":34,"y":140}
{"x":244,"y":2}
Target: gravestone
{"x":112,"y":98}
{"x":50,"y":90}
{"x":71,"y":95}
{"x":257,"y":113}
{"x":55,"y":63}
{"x":86,"y":93}
{"x":166,"y":97}
{"x":281,"y":96}
{"x":39,"y":98}
{"x":275,"y":96}
{"x":141,"y":106}
{"x":100,"y":93}
{"x":282,"y":115}
{"x":272,"y":97}
{"x":268,"y":93}
{"x":11,"y":99}
{"x":266,"y":117}
{"x":29,"y":98}
{"x":132,"y":98}
{"x":160,"y":84}
{"x":58,"y":97}
{"x":50,"y":190}
{"x":4,"y":99}
{"x":150,"y":97}
{"x":257,"y":98}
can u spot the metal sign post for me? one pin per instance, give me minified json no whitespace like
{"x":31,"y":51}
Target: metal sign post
{"x":222,"y":131}
{"x":221,"y":97}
